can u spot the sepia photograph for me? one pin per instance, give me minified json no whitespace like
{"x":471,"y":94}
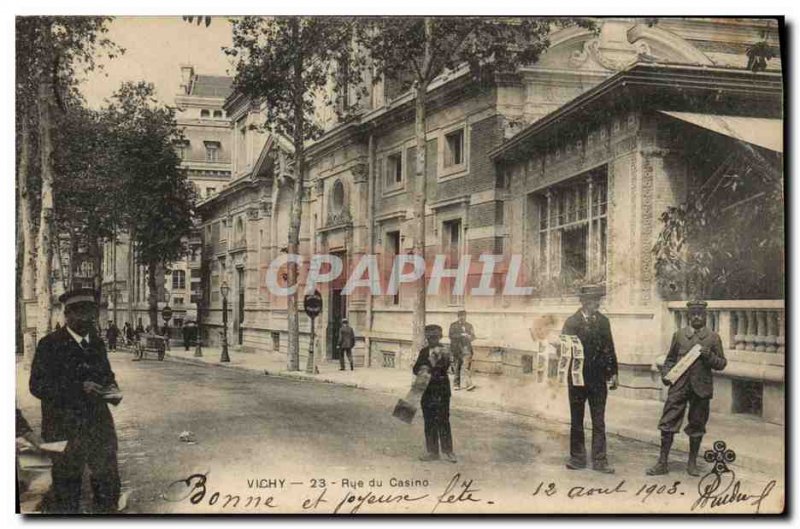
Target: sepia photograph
{"x":406,"y":265}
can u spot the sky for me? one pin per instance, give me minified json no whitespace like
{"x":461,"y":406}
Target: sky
{"x":156,"y":47}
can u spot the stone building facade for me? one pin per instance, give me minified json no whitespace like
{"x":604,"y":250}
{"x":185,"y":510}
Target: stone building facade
{"x":564,"y":162}
{"x":206,"y":156}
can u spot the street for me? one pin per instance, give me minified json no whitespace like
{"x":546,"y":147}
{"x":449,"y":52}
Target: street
{"x":272,"y":445}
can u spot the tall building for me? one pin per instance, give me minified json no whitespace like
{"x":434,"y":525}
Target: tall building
{"x":568,"y":162}
{"x":205,"y":151}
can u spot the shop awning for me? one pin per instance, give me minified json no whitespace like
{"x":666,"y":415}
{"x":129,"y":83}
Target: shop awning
{"x":764,"y":132}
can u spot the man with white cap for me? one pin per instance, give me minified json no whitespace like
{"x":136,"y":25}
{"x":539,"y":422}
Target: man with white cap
{"x":73,"y":379}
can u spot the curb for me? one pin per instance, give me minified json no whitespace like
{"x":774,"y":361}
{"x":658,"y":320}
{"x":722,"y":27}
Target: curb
{"x":551,"y":423}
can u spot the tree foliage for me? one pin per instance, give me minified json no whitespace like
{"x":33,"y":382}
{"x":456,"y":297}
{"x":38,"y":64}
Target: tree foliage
{"x":153,"y":197}
{"x":287,"y":63}
{"x":727,"y":240}
{"x":416,"y":50}
{"x":487,"y":45}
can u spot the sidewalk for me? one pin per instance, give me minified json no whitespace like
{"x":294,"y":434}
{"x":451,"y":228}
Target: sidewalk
{"x":758,"y":445}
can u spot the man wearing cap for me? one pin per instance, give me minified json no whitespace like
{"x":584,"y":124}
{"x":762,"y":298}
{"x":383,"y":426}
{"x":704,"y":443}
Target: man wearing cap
{"x":599,"y":368}
{"x":694,"y":388}
{"x":347,"y":339}
{"x":112,"y":333}
{"x":461,"y":336}
{"x":71,"y":376}
{"x":435,"y":401}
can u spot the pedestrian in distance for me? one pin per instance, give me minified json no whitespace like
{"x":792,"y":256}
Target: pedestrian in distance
{"x":435,"y":401}
{"x":112,"y":332}
{"x":694,"y":388}
{"x":139,"y":330}
{"x":72,"y":378}
{"x":187,"y":335}
{"x":599,"y":375}
{"x":461,"y":336}
{"x":127,"y":334}
{"x":347,"y":339}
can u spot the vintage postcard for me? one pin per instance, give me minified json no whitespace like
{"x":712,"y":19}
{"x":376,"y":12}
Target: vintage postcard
{"x":404,"y":265}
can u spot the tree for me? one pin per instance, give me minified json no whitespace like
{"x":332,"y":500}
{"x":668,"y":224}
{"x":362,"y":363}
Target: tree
{"x":50,"y":50}
{"x":431,"y":46}
{"x":727,"y":240}
{"x":156,"y":198}
{"x":287,"y":62}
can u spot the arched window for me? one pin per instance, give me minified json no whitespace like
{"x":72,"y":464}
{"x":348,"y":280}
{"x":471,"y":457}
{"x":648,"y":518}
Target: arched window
{"x":204,"y":113}
{"x":337,"y":197}
{"x":178,"y":280}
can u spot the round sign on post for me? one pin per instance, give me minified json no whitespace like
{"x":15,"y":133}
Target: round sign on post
{"x":166,"y":313}
{"x":312,"y":304}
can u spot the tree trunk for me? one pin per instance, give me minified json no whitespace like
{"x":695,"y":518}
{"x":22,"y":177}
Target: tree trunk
{"x":28,"y":227}
{"x":420,"y":190}
{"x":152,"y":294}
{"x":45,"y":244}
{"x":131,"y":282}
{"x":296,"y":207}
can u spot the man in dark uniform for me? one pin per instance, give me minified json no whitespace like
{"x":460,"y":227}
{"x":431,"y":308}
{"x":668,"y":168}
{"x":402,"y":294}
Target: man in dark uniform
{"x":599,"y":367}
{"x":111,"y":335}
{"x":695,"y":387}
{"x":347,"y":339}
{"x":71,"y":376}
{"x":461,"y":336}
{"x":436,"y":399}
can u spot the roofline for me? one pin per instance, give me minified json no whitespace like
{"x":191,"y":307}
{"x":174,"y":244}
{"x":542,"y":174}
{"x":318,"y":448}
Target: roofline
{"x":630,"y":76}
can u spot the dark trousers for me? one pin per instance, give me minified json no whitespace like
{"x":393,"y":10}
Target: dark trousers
{"x":67,"y":475}
{"x":112,"y":344}
{"x":596,"y":395}
{"x":437,"y":426}
{"x":675,"y":408}
{"x":346,"y":351}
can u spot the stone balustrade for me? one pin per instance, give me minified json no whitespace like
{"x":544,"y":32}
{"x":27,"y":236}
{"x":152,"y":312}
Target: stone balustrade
{"x":743,"y":325}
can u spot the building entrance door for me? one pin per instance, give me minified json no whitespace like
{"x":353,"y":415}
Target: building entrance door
{"x":337,"y":309}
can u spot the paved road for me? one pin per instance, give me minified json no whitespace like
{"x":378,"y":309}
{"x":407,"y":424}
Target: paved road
{"x":253,"y":431}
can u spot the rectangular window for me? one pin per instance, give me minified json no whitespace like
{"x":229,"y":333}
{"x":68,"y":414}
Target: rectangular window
{"x":177,"y":301}
{"x":451,"y":231}
{"x":394,"y":170}
{"x":393,"y":250}
{"x":212,"y":151}
{"x":210,"y":191}
{"x":454,"y":148}
{"x":573,"y":231}
{"x":182,"y":149}
{"x":178,"y":280}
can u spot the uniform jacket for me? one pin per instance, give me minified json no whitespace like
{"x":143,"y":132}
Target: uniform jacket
{"x":438,"y":389}
{"x":59,"y":369}
{"x":699,"y":374}
{"x":459,"y":344}
{"x":600,"y":358}
{"x":347,"y":338}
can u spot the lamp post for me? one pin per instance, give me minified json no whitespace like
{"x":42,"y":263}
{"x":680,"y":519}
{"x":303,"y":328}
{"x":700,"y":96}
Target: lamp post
{"x":224,"y":289}
{"x":198,"y":351}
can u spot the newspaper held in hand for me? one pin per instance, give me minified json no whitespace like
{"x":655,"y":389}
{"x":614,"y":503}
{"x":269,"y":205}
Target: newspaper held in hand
{"x":406,"y":408}
{"x":683,"y":364}
{"x":577,"y":362}
{"x":111,"y":394}
{"x":565,"y":354}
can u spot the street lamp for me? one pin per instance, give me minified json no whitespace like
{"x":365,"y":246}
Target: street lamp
{"x":224,"y":289}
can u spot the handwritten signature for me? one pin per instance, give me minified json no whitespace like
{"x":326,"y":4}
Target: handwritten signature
{"x":718,"y":489}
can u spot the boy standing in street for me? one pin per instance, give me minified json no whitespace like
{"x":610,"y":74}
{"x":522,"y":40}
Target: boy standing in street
{"x":435,"y":358}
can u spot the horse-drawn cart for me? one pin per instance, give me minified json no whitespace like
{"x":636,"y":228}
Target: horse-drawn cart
{"x":152,"y":344}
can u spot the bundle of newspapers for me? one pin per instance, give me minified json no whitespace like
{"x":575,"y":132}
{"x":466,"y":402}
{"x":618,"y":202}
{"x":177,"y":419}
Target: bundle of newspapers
{"x":571,"y":354}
